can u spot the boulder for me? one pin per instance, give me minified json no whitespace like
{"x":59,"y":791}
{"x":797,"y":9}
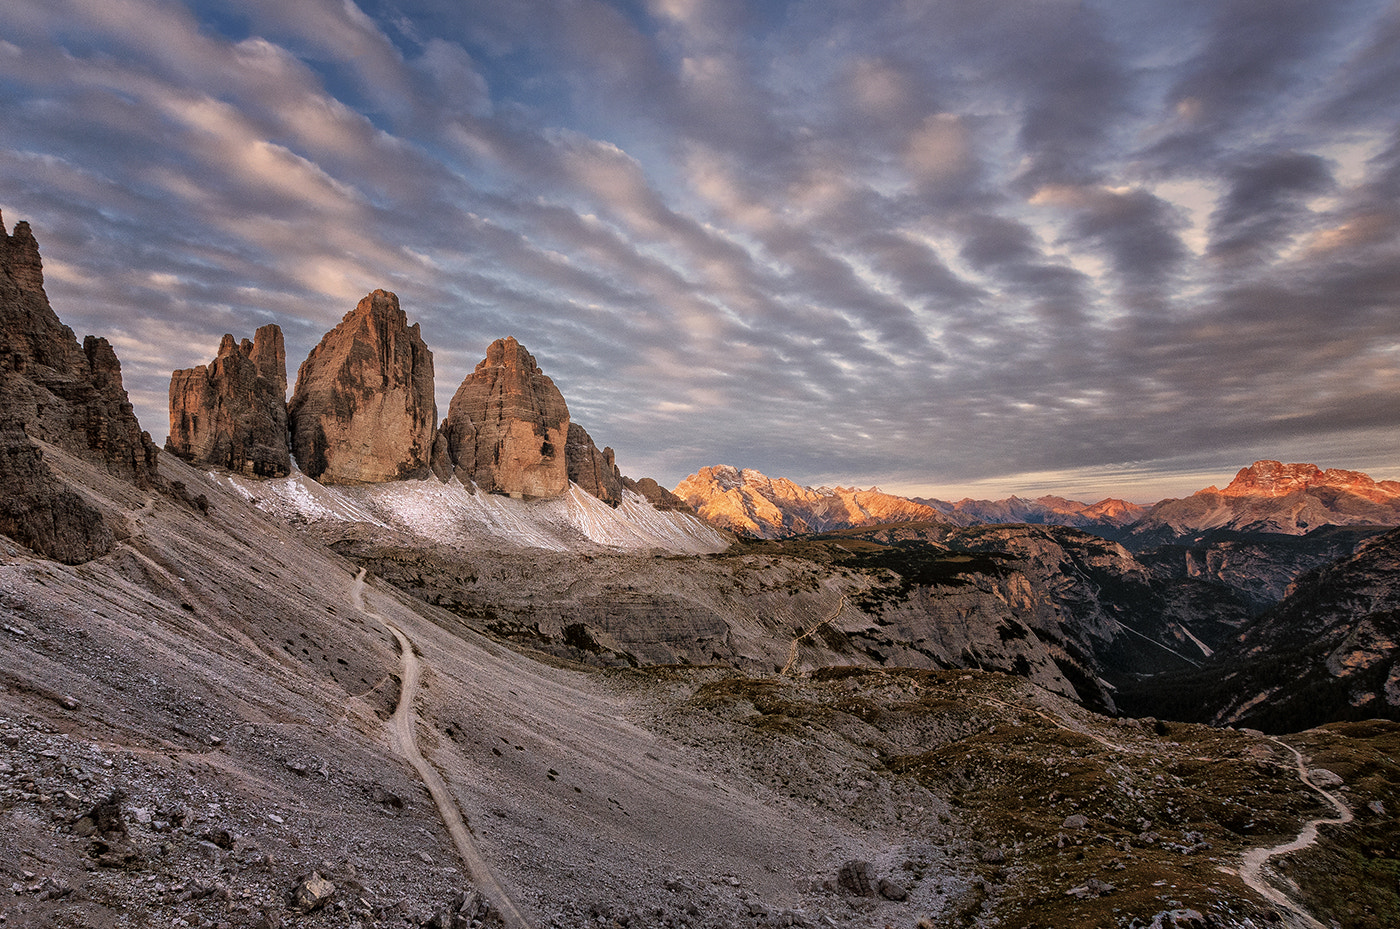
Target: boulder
{"x":363,"y":410}
{"x":893,"y":890}
{"x":312,"y":892}
{"x":232,"y":413}
{"x":507,"y":426}
{"x":857,"y":878}
{"x":592,"y":470}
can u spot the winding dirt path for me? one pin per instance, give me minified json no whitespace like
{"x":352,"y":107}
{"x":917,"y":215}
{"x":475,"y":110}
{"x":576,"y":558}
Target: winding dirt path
{"x":792,"y":648}
{"x":404,"y":740}
{"x":1252,"y":870}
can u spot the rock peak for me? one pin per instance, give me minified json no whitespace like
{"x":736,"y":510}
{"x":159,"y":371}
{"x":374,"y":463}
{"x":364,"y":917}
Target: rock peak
{"x":1268,"y":478}
{"x":232,"y":413}
{"x":507,"y":427}
{"x":508,"y":353}
{"x":363,"y":410}
{"x":19,"y":258}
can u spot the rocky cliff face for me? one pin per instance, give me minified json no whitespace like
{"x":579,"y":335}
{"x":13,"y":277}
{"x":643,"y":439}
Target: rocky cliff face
{"x":753,"y":504}
{"x":68,"y":395}
{"x":363,"y":410}
{"x":38,"y":510}
{"x":594,"y":471}
{"x":63,"y":393}
{"x":232,"y":413}
{"x":1268,"y":496}
{"x":507,"y":427}
{"x":1258,"y":567}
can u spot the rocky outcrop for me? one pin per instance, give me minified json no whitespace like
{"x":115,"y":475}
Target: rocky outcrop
{"x":69,"y":396}
{"x":592,"y":470}
{"x":363,"y":410}
{"x":1329,"y":651}
{"x":1258,"y":567}
{"x":507,"y":426}
{"x":1275,"y":479}
{"x":63,"y":393}
{"x":232,"y":413}
{"x":38,"y":511}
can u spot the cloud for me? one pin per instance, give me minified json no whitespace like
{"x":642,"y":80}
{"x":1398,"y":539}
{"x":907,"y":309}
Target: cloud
{"x":1266,"y":200}
{"x":1136,"y":229}
{"x":944,"y":241}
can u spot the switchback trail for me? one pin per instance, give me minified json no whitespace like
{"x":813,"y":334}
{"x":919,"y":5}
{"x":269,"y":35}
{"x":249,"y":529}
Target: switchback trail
{"x":1252,"y":870}
{"x":404,"y":740}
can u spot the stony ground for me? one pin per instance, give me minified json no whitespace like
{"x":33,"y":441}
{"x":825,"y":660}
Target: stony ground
{"x":193,"y":733}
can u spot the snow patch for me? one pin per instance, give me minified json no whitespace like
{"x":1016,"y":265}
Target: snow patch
{"x":1205,"y":649}
{"x":457,"y":515}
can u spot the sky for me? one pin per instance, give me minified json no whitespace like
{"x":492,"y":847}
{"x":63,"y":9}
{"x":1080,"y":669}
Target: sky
{"x":971,"y":247}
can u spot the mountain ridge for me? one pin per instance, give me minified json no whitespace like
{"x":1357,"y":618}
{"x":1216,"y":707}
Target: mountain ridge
{"x":1266,"y":496}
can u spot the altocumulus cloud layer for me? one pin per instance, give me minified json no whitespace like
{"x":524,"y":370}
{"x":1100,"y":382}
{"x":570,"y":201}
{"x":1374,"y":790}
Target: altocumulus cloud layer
{"x":1113,"y":246}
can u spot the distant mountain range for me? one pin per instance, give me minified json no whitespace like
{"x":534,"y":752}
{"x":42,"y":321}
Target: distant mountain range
{"x":1266,"y":497}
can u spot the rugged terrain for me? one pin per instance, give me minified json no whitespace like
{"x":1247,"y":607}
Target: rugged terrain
{"x":1267,"y":498}
{"x":222,"y":672}
{"x":1272,"y":523}
{"x":1325,"y":652}
{"x":231,"y":701}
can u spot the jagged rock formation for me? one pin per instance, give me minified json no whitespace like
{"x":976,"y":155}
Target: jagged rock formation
{"x":507,"y":426}
{"x":1259,"y":567}
{"x":1329,"y":650}
{"x":750,"y":503}
{"x":363,"y":410}
{"x":232,"y":413}
{"x":69,"y":396}
{"x":594,"y":471}
{"x":1269,"y":496}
